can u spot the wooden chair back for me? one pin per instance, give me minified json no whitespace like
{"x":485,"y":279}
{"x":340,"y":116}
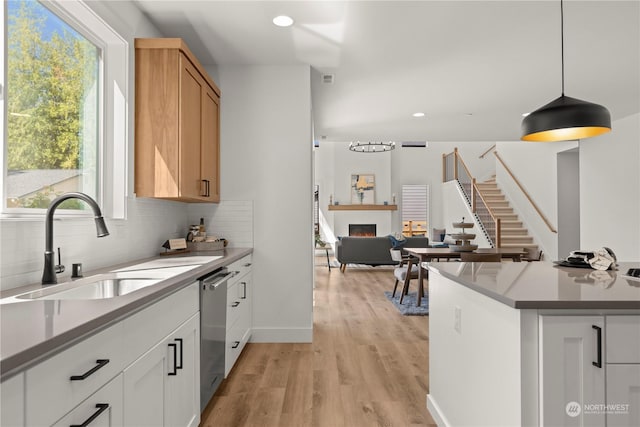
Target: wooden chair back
{"x":476,"y":257}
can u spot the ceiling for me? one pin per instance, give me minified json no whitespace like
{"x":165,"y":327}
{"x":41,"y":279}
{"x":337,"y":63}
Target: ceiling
{"x":473,"y":67}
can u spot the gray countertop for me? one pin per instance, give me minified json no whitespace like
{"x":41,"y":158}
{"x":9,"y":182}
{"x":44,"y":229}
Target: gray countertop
{"x":541,"y":285}
{"x":32,"y":330}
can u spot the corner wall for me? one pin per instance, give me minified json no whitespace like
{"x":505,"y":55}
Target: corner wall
{"x":266,"y":147}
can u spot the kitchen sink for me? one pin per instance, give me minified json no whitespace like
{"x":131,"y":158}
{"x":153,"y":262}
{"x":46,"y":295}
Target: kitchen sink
{"x":106,"y":287}
{"x":100,"y":286}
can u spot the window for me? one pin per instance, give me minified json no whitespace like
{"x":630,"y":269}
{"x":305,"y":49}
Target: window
{"x":415,"y":209}
{"x":64,"y":108}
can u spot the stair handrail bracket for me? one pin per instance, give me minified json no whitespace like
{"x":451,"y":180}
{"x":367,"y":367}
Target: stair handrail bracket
{"x":526,"y":194}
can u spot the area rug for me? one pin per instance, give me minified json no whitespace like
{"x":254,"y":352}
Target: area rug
{"x":408,"y":306}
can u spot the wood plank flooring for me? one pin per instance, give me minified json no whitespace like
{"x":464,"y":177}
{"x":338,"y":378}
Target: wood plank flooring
{"x":367,"y":365}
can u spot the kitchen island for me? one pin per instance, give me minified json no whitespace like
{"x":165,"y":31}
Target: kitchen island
{"x":533,"y":344}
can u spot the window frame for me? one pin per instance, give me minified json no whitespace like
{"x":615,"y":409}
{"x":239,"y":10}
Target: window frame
{"x":111,"y":167}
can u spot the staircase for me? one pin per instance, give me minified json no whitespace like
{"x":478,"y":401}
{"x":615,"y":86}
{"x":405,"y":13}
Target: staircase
{"x":513,"y":233}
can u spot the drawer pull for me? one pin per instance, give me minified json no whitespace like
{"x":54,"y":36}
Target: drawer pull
{"x":244,"y":290}
{"x":100,"y":364}
{"x":235,"y":304}
{"x":247,"y":265}
{"x":175,"y":357}
{"x":235,"y":344}
{"x":101,"y":408}
{"x":598,"y":329}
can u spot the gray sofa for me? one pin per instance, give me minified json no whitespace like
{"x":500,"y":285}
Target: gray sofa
{"x":371,"y":250}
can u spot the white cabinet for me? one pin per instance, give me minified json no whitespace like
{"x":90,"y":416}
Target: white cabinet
{"x":593,"y":361}
{"x":161,"y":388}
{"x":239,"y":311}
{"x":572,"y":369}
{"x":12,"y":401}
{"x":623,"y":370}
{"x":102,"y":409}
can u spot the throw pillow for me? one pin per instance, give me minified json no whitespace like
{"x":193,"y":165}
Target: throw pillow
{"x":397,"y":243}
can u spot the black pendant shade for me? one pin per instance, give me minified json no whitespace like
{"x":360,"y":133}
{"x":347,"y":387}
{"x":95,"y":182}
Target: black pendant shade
{"x":565,"y":119}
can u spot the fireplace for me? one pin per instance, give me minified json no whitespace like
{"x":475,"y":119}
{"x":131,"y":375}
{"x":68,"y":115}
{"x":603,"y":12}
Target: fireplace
{"x":362,"y":230}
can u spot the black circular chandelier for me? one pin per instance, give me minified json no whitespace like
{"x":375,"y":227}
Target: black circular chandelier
{"x":372,"y":146}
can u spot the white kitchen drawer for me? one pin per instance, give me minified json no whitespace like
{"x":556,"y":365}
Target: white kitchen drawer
{"x":106,"y":403}
{"x":623,"y":383}
{"x":237,"y":338}
{"x":50,"y":392}
{"x":623,"y":339}
{"x":241,"y":266}
{"x":144,"y":329}
{"x":237,"y":302}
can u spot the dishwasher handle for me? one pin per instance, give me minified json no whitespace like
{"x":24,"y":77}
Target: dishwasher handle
{"x":216,"y":280}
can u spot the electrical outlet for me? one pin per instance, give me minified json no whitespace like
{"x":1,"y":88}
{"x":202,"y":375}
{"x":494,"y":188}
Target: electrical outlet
{"x":457,"y":319}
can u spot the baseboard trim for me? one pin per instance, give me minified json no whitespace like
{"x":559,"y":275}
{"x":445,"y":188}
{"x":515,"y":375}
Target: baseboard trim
{"x":435,"y":412}
{"x":282,"y":335}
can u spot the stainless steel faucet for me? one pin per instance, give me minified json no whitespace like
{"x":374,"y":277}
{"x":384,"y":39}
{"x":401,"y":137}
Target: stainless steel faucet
{"x":49,"y":273}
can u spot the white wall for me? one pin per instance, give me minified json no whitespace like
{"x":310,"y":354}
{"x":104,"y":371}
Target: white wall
{"x":535,"y":166}
{"x":610,"y":190}
{"x":149,"y":222}
{"x":266,"y":156}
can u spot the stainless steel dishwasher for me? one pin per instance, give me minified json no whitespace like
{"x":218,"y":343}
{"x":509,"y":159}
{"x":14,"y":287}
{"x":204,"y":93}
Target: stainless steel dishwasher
{"x":213,"y":322}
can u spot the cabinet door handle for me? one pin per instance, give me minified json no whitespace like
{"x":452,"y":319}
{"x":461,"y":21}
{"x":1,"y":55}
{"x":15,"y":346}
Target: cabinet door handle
{"x":235,"y":344}
{"x":598,"y":329}
{"x":247,"y":265}
{"x":175,"y":356}
{"x":244,"y":290}
{"x":99,"y":364}
{"x":235,"y":304}
{"x":179,"y":365}
{"x":207,"y":188}
{"x":101,"y":408}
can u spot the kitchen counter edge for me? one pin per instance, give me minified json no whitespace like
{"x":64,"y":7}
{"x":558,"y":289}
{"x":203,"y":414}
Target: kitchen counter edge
{"x":541,"y":304}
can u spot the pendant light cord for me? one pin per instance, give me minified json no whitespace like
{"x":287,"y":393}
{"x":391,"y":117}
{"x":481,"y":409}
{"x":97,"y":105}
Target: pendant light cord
{"x":562,"y":42}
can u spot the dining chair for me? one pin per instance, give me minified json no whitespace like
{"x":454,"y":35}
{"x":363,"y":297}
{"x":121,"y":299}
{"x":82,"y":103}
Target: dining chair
{"x":477,"y":257}
{"x":402,"y":270}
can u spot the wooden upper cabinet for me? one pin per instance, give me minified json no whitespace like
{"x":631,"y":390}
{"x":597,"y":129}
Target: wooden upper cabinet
{"x":177,"y":128}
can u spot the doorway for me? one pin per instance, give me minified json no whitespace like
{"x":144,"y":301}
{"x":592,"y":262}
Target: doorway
{"x":568,"y":176}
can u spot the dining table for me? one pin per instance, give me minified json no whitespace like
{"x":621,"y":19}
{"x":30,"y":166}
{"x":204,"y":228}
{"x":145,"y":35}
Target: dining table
{"x":429,"y":254}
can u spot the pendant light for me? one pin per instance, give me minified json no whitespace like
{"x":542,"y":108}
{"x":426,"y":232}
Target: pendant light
{"x":565,"y":118}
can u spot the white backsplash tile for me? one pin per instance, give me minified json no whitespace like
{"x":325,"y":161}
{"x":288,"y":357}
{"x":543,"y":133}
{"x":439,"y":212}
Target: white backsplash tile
{"x":230,"y":219}
{"x":149,"y":223}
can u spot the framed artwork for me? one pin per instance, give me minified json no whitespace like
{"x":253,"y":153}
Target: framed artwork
{"x":363,"y":188}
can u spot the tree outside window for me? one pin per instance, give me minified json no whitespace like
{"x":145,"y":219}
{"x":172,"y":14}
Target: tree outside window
{"x":53,"y":109}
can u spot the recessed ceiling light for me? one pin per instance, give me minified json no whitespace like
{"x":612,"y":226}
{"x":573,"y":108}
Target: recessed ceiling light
{"x":418,"y":114}
{"x":283,"y":21}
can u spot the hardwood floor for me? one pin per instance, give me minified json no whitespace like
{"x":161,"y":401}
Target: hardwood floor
{"x":367,"y":365}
